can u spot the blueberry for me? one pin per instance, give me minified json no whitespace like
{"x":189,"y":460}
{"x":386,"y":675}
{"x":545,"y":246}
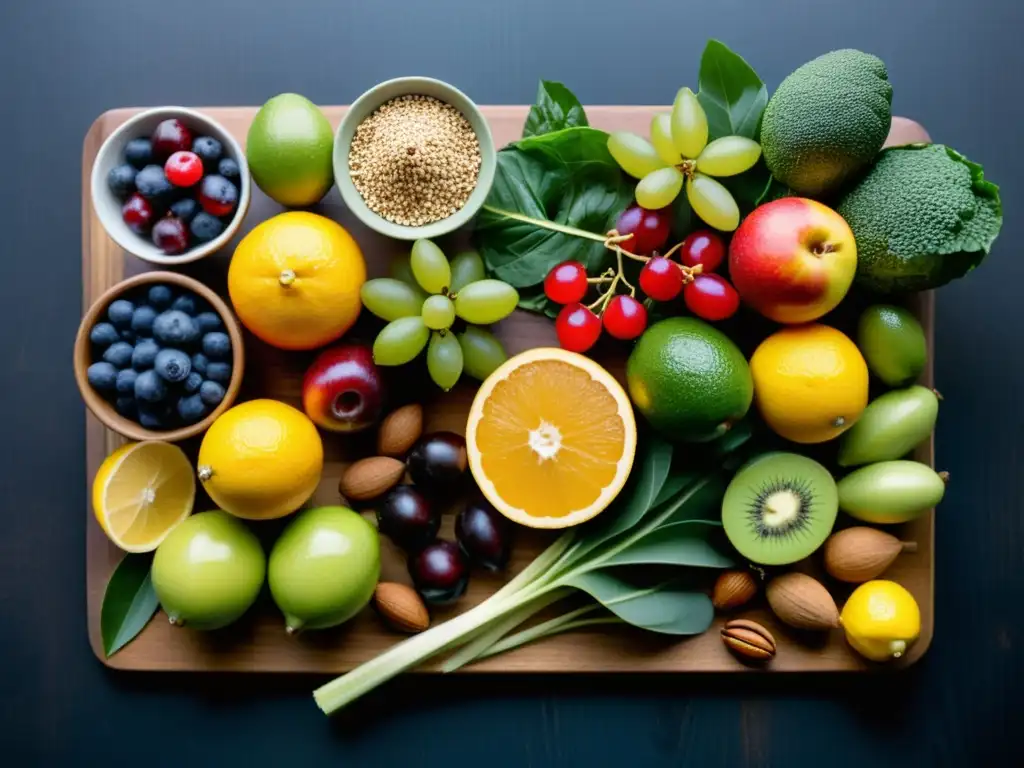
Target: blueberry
{"x":217,"y":195}
{"x":119,"y":354}
{"x":217,"y":345}
{"x":208,"y":321}
{"x":209,"y":151}
{"x":102,"y":376}
{"x":191,"y":409}
{"x":160,"y":297}
{"x":103,"y":335}
{"x":220,"y":372}
{"x":199,"y":363}
{"x":193,"y":382}
{"x":127,"y":407}
{"x":153,"y":185}
{"x":175,"y":327}
{"x":172,"y":365}
{"x":205,"y":227}
{"x":120,"y":313}
{"x":185,"y":209}
{"x":128,"y":335}
{"x":126,"y":381}
{"x":185,"y":303}
{"x":150,"y":388}
{"x":211,"y":392}
{"x":139,"y":152}
{"x":229,"y":169}
{"x":142,"y":320}
{"x":145,"y":354}
{"x":121,"y":181}
{"x":155,"y":418}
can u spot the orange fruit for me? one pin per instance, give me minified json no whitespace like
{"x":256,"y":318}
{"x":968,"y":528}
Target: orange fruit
{"x":294,"y":280}
{"x":551,"y":438}
{"x":810,"y":382}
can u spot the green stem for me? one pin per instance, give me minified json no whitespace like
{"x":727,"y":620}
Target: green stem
{"x":545,"y":224}
{"x":566,"y":623}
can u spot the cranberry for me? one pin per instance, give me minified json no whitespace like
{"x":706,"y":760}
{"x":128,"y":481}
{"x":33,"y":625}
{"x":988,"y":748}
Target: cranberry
{"x":170,"y":136}
{"x":702,"y":247}
{"x":217,"y":195}
{"x":661,"y":279}
{"x":183,"y":169}
{"x":650,"y":229}
{"x":566,"y":283}
{"x":711,"y":297}
{"x":170,"y":235}
{"x":624,"y":317}
{"x":137,"y":214}
{"x":577,"y":327}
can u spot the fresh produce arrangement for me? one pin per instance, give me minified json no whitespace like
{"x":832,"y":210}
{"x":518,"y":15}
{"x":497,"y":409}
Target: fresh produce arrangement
{"x":727,"y":426}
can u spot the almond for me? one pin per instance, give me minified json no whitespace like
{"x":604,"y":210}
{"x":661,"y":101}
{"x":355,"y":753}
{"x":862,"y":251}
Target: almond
{"x":802,"y":602}
{"x":369,"y":478}
{"x":749,"y":640}
{"x":861,"y":554}
{"x":401,"y":607}
{"x":400,"y":430}
{"x":733,"y":589}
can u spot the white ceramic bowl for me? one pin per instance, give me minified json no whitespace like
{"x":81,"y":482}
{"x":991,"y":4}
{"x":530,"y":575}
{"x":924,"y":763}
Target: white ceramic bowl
{"x":108,"y":207}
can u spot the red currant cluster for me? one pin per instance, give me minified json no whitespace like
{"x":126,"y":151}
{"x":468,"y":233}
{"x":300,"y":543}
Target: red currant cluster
{"x":638,"y":235}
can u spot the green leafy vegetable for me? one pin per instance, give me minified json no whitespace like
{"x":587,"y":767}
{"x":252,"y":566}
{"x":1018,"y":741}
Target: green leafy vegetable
{"x":129,"y":602}
{"x":556,"y":108}
{"x":731,"y":93}
{"x":666,"y":608}
{"x":683,"y":543}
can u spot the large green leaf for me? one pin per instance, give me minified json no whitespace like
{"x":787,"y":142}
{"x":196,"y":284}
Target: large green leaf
{"x":667,"y":607}
{"x":554,"y":198}
{"x":129,"y":602}
{"x":685,"y":543}
{"x":731,"y":93}
{"x":556,"y":108}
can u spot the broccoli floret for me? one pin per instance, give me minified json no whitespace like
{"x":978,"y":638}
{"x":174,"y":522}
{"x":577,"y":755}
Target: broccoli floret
{"x":923,"y":216}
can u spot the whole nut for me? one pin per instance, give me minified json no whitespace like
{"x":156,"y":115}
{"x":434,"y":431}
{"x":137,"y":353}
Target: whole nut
{"x":802,"y":602}
{"x":370,"y":478}
{"x":401,"y":607}
{"x":860,"y":554}
{"x":749,"y":640}
{"x":400,"y":430}
{"x":733,"y":589}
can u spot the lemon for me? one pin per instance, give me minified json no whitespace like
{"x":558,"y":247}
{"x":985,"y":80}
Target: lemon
{"x":881,"y":620}
{"x":261,"y":460}
{"x":141,"y":492}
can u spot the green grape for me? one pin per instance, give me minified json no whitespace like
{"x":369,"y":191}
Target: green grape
{"x":390,"y":299}
{"x":689,"y":124}
{"x":658,"y":189}
{"x":444,"y":359}
{"x":728,"y":156}
{"x":712,"y":202}
{"x":486,"y":301}
{"x":401,"y":269}
{"x":467,"y":267}
{"x":661,"y":138}
{"x":634,"y":154}
{"x":400,"y":341}
{"x":430,"y":266}
{"x":438,"y":313}
{"x":481,"y":352}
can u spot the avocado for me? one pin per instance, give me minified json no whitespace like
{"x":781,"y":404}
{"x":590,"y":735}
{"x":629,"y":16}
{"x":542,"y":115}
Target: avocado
{"x":893,"y":344}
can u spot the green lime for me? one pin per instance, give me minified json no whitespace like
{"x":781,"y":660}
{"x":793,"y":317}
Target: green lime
{"x":289,"y":150}
{"x":893,"y":344}
{"x":689,"y":380}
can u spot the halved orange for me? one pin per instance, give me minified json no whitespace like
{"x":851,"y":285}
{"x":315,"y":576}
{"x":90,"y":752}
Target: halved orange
{"x":551,"y":438}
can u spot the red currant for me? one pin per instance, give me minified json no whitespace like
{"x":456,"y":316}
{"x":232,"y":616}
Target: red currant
{"x":168,"y":137}
{"x":577,"y":327}
{"x":702,"y":247}
{"x":711,"y":297}
{"x":661,"y":279}
{"x":649,"y":229}
{"x":137,"y":214}
{"x":170,"y":235}
{"x":566,"y":283}
{"x":183,"y":169}
{"x":625,"y":317}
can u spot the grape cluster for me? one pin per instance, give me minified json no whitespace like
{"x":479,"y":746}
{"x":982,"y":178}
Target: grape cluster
{"x":679,"y":153}
{"x":423,"y":301}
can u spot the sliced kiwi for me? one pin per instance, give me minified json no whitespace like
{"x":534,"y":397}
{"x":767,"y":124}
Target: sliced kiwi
{"x":779,"y":508}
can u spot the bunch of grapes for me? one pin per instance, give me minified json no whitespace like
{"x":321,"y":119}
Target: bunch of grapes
{"x":706,"y":294}
{"x":423,"y":301}
{"x":679,"y":153}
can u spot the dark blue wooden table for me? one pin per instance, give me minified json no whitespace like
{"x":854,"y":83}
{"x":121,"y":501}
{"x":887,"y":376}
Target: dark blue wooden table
{"x":957,"y":67}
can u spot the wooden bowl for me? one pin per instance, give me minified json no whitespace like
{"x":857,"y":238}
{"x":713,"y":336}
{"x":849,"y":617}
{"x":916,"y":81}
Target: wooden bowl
{"x":104,"y":410}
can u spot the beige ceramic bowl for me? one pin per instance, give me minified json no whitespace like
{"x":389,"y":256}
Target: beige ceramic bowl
{"x":108,"y":207}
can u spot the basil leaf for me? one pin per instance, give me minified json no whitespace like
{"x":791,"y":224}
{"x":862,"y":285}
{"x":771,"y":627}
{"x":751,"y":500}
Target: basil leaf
{"x":731,"y":93}
{"x":129,"y":602}
{"x":554,"y":198}
{"x":667,"y":607}
{"x":556,"y":108}
{"x":537,"y":301}
{"x":686,"y":543}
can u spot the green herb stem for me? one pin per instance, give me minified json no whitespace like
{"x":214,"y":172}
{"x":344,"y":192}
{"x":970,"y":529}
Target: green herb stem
{"x":555,"y":626}
{"x":546,"y":224}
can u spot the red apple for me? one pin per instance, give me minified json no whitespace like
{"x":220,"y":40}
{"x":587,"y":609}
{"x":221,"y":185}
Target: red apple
{"x":343,"y":390}
{"x":793,"y":259}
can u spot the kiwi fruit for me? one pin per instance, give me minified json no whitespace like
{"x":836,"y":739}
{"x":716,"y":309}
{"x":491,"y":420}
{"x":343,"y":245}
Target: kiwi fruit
{"x":779,"y":508}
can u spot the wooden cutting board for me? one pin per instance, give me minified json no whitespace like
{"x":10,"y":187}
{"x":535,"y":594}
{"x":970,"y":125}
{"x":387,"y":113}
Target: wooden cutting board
{"x":258,"y":642}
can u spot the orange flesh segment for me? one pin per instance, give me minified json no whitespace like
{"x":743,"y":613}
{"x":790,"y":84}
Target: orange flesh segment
{"x":535,"y":398}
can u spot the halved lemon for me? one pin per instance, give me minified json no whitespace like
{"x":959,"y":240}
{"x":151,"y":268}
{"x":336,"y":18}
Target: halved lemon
{"x":141,"y":492}
{"x":551,"y":438}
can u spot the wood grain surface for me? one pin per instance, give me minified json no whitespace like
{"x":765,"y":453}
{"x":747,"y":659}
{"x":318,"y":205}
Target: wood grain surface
{"x":258,"y":642}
